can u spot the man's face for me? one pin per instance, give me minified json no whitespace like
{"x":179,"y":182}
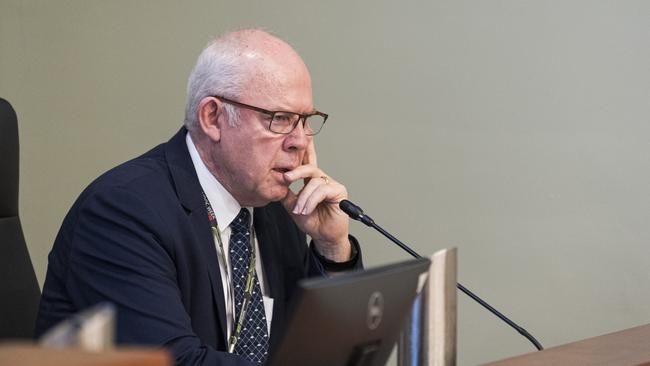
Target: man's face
{"x":251,"y":159}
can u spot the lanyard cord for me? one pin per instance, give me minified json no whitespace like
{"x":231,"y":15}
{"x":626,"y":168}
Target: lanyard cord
{"x":248,"y":290}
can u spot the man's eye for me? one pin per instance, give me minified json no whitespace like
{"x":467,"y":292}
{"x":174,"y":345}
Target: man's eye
{"x":282,"y":118}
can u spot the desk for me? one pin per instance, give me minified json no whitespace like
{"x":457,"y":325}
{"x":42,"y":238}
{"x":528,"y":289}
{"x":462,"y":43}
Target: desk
{"x":630,"y":347}
{"x":17,"y":354}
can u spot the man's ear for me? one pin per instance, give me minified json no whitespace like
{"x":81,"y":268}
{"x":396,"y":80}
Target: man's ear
{"x":210,"y":114}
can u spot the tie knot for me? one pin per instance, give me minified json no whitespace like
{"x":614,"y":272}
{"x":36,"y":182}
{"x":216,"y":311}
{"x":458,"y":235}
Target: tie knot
{"x":242,"y":222}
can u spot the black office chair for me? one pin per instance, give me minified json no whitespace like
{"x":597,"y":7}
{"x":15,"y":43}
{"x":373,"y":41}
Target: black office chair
{"x":19,"y":291}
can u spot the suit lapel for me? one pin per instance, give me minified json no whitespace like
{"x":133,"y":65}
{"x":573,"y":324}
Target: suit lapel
{"x":189,"y":191}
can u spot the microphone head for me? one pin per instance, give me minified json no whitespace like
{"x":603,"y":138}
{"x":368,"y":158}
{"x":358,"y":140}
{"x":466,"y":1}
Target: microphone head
{"x":351,"y":209}
{"x":355,"y":212}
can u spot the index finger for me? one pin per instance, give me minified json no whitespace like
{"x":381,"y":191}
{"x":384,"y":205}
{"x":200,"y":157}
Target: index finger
{"x":310,"y":154}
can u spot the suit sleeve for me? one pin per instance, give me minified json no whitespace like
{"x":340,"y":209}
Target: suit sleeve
{"x":118,"y":254}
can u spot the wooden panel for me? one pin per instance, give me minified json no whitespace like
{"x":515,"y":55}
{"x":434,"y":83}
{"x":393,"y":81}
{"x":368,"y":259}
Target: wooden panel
{"x":30,"y":355}
{"x":441,"y":320}
{"x":629,"y":347}
{"x":429,"y":337}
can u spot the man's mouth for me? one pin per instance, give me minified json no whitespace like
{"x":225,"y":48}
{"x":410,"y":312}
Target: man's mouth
{"x":281,"y":170}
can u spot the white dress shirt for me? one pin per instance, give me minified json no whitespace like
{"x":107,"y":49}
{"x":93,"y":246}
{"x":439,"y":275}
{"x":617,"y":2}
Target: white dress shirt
{"x":226,"y":208}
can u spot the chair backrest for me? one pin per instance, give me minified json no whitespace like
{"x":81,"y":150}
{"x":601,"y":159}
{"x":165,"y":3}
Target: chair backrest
{"x":19,"y":291}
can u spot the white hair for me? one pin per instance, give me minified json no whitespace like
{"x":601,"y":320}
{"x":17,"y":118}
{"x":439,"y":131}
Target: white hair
{"x":220,"y":70}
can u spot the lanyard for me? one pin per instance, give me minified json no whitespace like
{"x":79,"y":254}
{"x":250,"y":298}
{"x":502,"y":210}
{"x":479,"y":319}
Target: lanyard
{"x":250,"y":278}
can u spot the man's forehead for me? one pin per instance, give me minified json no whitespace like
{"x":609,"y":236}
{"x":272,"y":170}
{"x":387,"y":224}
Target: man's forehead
{"x":269,"y":93}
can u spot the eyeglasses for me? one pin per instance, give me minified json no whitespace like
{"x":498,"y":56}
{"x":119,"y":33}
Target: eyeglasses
{"x":284,"y":122}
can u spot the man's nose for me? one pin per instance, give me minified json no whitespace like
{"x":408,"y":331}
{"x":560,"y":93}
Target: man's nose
{"x":297,"y":139}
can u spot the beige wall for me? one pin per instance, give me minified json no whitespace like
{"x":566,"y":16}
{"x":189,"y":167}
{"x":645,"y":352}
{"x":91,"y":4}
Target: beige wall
{"x":515,"y":130}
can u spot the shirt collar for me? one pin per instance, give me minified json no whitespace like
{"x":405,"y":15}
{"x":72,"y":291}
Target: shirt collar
{"x":224,"y":205}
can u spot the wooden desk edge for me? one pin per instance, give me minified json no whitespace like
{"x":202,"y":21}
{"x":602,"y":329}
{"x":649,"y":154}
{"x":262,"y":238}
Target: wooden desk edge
{"x":629,"y":347}
{"x":22,"y":354}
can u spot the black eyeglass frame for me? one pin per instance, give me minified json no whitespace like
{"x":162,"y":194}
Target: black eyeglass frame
{"x":301,"y":117}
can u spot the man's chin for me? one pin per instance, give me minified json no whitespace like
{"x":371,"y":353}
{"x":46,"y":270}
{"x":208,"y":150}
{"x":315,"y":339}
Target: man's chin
{"x":281,"y":195}
{"x":277,"y":195}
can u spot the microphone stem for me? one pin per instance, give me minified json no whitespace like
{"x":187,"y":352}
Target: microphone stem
{"x":395,"y":240}
{"x":466,"y":291}
{"x":496,"y":312}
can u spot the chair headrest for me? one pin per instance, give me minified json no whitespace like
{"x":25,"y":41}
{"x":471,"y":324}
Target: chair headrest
{"x":8,"y":160}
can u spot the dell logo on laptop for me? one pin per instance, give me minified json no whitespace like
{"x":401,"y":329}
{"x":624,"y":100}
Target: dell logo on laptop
{"x":375,"y":310}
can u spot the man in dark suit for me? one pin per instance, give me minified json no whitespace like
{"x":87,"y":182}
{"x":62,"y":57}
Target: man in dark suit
{"x":167,"y":236}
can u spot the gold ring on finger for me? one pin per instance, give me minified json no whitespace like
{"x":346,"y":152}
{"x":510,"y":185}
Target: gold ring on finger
{"x":326,"y":179}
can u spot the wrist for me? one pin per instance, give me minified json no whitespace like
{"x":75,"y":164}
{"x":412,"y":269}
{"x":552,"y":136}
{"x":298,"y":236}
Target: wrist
{"x":353,"y":261}
{"x":337,"y":251}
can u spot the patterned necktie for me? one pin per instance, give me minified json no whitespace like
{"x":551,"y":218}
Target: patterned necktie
{"x":253,"y":341}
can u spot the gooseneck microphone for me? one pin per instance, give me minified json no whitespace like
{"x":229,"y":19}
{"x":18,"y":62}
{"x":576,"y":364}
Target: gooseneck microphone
{"x":355,"y":212}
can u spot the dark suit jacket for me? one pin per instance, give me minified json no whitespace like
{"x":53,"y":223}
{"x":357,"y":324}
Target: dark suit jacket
{"x":139,"y":237}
